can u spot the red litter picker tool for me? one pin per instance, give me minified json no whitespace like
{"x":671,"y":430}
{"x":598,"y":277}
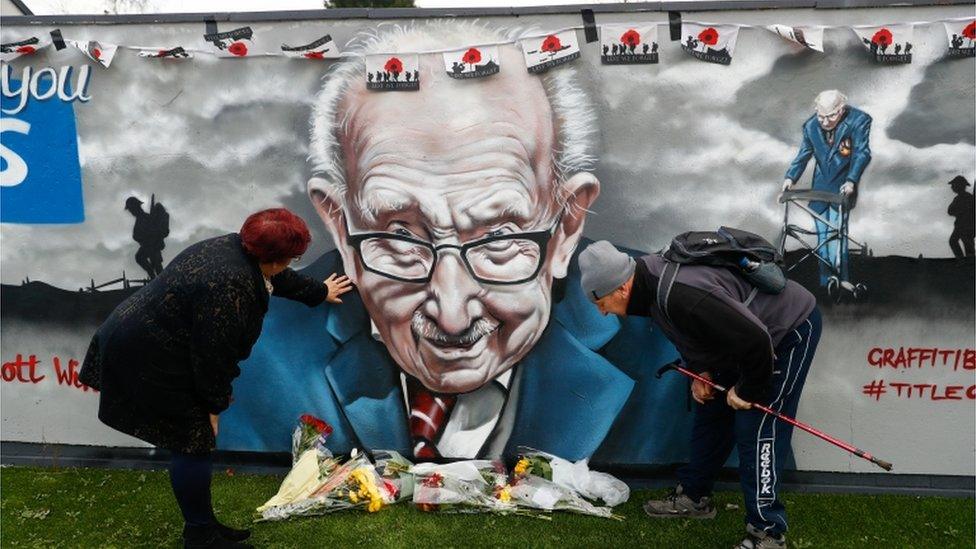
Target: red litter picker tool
{"x":676,"y":365}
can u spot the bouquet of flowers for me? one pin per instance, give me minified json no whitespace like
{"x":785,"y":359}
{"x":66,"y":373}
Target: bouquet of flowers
{"x":394,"y":472}
{"x":472,"y":486}
{"x":533,"y":486}
{"x":577,"y":477}
{"x":310,"y":432}
{"x":318,"y":485}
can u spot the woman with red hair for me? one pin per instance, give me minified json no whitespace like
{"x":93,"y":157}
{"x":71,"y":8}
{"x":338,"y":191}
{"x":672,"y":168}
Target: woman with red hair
{"x":165,"y":358}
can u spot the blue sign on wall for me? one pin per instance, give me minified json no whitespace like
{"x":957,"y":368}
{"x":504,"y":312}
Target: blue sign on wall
{"x":40,"y":172}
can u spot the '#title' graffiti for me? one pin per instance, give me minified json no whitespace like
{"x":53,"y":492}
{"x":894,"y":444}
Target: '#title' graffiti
{"x":29,"y":85}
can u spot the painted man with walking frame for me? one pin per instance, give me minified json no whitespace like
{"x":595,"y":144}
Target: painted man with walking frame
{"x":838,"y":137}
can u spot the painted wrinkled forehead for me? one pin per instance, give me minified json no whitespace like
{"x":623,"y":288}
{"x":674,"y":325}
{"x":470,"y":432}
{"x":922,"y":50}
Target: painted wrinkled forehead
{"x":828,"y":103}
{"x":430,"y":119}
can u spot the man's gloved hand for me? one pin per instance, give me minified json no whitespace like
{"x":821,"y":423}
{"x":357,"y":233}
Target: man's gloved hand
{"x":847,"y":188}
{"x":787,"y":184}
{"x":701,"y":391}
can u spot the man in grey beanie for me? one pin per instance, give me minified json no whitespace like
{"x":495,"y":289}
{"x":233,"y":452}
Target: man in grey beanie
{"x":761,"y":345}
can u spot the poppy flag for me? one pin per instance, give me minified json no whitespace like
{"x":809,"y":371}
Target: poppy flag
{"x":29,"y":46}
{"x":962,"y":38}
{"x":888,"y":44}
{"x":810,"y":38}
{"x":99,"y":52}
{"x":709,"y":43}
{"x":472,"y":62}
{"x":542,"y":53}
{"x":393,"y":72}
{"x":628,"y":44}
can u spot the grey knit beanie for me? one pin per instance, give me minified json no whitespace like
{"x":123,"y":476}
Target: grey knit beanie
{"x":603,"y":269}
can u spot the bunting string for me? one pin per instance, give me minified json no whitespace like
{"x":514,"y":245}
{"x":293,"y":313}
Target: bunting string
{"x":707,"y":41}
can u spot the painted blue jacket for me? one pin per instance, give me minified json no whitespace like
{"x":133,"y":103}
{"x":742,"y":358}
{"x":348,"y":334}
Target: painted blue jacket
{"x":587,"y":389}
{"x":834,"y":166}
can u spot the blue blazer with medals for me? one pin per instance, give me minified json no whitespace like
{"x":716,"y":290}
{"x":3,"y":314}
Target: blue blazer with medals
{"x":587,"y":387}
{"x":836,"y":164}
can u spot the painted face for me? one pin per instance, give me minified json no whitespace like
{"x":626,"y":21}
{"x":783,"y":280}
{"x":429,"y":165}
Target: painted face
{"x":450,"y":165}
{"x":829,"y":118}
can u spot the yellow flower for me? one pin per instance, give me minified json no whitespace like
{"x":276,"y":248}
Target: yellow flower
{"x":506,"y":494}
{"x":375,"y":505}
{"x":521,"y":467}
{"x":353,"y":497}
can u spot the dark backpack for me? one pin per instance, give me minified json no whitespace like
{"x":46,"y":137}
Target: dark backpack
{"x":159,"y":219}
{"x":746,"y":254}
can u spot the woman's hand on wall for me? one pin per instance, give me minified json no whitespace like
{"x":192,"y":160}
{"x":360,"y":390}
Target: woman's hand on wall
{"x":337,"y":286}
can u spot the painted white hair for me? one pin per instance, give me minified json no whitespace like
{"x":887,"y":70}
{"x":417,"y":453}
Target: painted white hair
{"x":828,"y":101}
{"x":573,"y":113}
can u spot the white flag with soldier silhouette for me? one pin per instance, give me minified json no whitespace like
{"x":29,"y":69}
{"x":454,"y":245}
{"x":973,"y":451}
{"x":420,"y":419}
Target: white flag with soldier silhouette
{"x":473,"y":62}
{"x":28,"y":46}
{"x":544,"y":52}
{"x":810,"y":38}
{"x":101,"y":53}
{"x":320,"y":48}
{"x":233,"y":43}
{"x":962,"y":38}
{"x":888,"y":44}
{"x":393,"y":72}
{"x":628,"y":44}
{"x":710,"y":43}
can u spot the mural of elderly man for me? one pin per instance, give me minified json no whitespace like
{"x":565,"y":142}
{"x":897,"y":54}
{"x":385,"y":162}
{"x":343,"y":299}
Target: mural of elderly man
{"x":468,"y":334}
{"x":837,"y":136}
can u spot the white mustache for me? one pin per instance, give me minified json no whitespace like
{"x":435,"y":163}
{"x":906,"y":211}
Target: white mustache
{"x":425,"y":328}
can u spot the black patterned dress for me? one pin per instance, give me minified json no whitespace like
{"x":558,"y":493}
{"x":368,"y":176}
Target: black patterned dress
{"x":165,"y":358}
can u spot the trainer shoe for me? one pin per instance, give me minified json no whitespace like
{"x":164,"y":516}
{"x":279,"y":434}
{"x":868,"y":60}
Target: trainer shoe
{"x":757,"y":539}
{"x":677,"y":504}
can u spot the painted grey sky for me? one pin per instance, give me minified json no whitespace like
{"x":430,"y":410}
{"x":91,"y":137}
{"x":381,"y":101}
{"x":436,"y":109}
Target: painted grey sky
{"x":683,"y":145}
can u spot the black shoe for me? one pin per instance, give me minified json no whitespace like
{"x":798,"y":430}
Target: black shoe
{"x":232,"y":534}
{"x":208,"y":537}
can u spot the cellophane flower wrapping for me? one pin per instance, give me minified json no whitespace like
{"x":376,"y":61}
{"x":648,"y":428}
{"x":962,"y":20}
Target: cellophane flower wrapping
{"x":394,"y":472}
{"x":311,"y":432}
{"x":471,"y":486}
{"x":544,"y":482}
{"x":578,"y":477}
{"x":326,"y":487}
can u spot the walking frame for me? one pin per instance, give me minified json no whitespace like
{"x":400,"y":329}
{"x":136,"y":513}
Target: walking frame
{"x":837,"y":284}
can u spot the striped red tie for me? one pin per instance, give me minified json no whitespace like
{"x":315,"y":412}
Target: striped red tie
{"x":428,"y":415}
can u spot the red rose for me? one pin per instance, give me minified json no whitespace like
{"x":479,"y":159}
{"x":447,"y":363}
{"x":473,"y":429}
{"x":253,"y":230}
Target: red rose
{"x":393,"y":65}
{"x":471,"y":56}
{"x":96,"y":53}
{"x":883,"y":37}
{"x":551,"y":43}
{"x":970,"y":31}
{"x":238,"y":49}
{"x":160,"y":53}
{"x":391,"y":488}
{"x":434,"y":481}
{"x":630,"y":38}
{"x":314,"y":55}
{"x":26,"y":50}
{"x":709,"y":36}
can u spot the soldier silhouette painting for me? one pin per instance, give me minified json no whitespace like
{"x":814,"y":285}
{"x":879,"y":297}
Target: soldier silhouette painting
{"x":962,"y":208}
{"x":150,"y":231}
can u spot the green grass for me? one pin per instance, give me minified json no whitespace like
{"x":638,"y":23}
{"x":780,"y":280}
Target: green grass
{"x":108,"y":508}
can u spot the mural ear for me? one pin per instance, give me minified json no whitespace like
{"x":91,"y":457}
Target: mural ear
{"x":580,"y":191}
{"x":328,"y":204}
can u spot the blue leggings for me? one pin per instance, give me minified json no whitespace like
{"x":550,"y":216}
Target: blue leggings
{"x":190,"y":474}
{"x":763,"y":442}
